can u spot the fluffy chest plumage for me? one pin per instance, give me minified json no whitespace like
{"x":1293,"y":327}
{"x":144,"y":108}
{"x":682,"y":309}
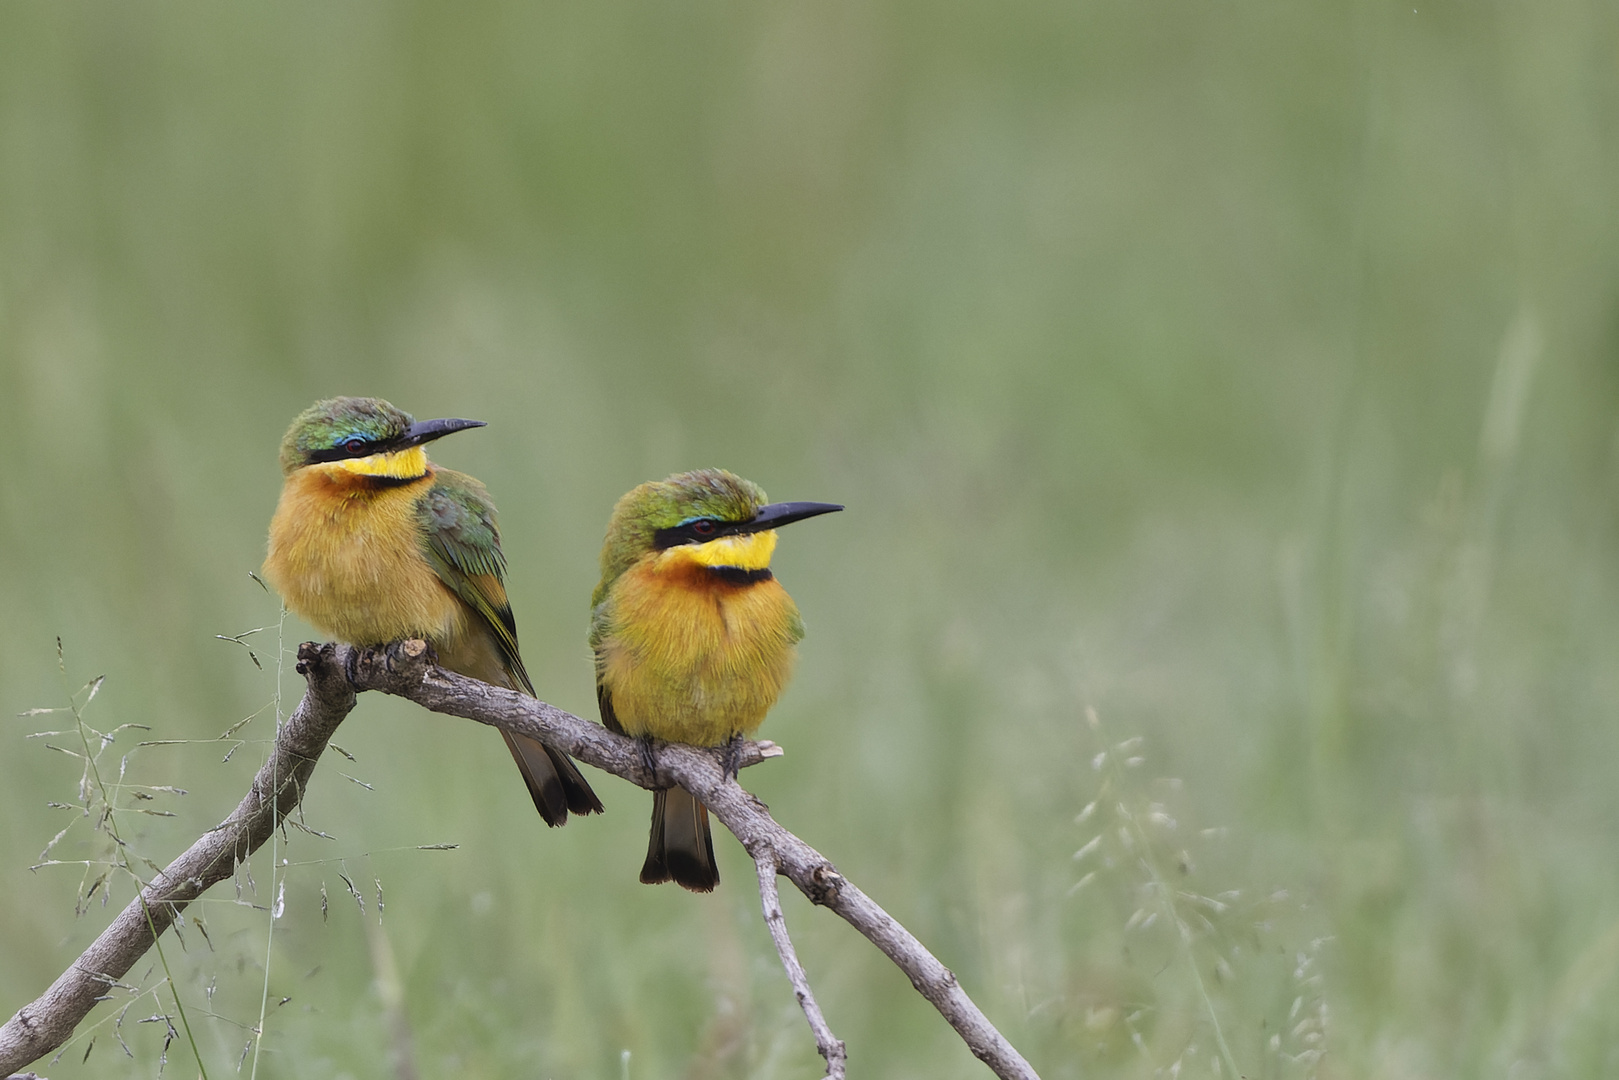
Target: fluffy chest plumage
{"x":346,"y":556}
{"x":690,"y":657}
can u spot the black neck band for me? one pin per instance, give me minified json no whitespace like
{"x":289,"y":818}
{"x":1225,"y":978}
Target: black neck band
{"x":380,"y":482}
{"x":738,"y":576}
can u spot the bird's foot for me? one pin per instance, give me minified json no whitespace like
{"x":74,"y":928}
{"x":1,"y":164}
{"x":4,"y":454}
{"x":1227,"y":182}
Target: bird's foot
{"x":731,"y":756}
{"x":649,"y":760}
{"x":351,"y":665}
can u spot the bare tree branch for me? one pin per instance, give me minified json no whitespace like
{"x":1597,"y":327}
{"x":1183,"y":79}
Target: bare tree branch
{"x":830,"y":1046}
{"x":699,"y":772}
{"x":405,"y":670}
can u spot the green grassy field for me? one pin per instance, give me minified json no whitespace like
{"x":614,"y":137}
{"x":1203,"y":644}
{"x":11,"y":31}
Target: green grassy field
{"x":1247,"y":373}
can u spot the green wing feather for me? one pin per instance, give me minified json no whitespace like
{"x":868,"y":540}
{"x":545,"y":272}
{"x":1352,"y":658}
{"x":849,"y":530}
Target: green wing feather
{"x":598,"y":635}
{"x":462,"y":544}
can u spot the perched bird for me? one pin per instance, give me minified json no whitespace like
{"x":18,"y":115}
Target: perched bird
{"x":693,"y":636}
{"x":372,"y":543}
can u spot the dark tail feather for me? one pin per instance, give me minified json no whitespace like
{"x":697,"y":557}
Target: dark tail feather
{"x":553,"y":780}
{"x":681,"y":847}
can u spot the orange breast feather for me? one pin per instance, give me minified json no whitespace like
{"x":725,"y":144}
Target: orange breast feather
{"x":345,"y":556}
{"x":691,"y":658}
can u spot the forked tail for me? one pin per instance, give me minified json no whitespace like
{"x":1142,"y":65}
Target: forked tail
{"x":553,"y":780}
{"x":681,"y":847}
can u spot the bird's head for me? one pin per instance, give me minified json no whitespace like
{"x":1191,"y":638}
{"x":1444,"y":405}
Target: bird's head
{"x":363,"y":436}
{"x":708,"y":517}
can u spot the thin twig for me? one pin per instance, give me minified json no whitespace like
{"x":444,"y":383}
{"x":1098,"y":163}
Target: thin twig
{"x":405,"y":669}
{"x":700,"y":772}
{"x":830,"y":1046}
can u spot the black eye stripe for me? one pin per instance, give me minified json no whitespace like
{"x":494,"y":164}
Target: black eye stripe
{"x":352,"y":447}
{"x":692,"y":532}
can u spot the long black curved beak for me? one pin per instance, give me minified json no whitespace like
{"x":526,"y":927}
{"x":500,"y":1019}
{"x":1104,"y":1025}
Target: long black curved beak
{"x":428,"y":430}
{"x":776,"y":515}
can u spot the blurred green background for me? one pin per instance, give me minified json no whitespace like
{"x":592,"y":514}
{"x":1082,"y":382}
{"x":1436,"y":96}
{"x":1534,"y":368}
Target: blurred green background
{"x":1247,"y":371}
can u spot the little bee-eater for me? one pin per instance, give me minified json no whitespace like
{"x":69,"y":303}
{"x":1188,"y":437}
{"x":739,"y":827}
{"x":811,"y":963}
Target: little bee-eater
{"x":372,"y":543}
{"x":693,"y":635}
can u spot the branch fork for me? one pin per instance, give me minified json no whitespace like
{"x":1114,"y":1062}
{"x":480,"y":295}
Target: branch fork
{"x":334,"y":674}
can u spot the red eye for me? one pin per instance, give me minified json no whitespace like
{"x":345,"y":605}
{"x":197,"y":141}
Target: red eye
{"x":703,"y":528}
{"x":354,"y":446}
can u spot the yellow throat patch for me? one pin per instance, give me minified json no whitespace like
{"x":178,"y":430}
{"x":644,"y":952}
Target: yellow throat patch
{"x":401,"y":465}
{"x":750,"y":551}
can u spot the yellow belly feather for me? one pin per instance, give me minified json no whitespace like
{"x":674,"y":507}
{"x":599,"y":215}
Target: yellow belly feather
{"x":346,"y":558}
{"x":690,"y":658}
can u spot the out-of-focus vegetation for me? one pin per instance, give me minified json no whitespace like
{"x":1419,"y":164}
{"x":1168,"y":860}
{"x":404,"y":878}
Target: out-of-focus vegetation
{"x":1247,"y":371}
